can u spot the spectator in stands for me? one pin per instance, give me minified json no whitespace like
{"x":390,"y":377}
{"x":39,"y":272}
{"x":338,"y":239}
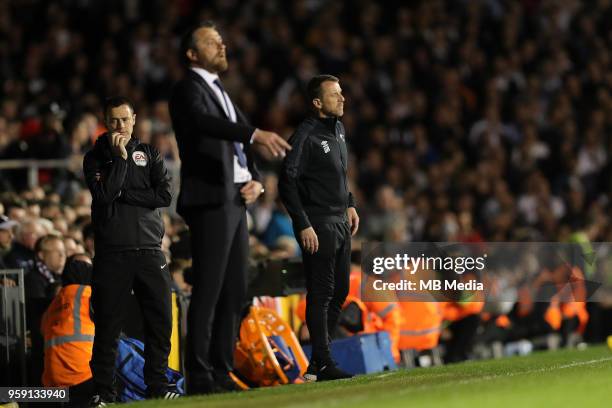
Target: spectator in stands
{"x":6,"y":237}
{"x":23,"y":251}
{"x":526,"y":82}
{"x":41,"y":285}
{"x":51,"y":141}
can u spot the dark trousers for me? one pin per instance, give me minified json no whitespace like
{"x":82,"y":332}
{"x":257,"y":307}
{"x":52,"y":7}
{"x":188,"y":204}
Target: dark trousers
{"x":220,"y":250}
{"x":114,"y":277}
{"x":459,"y":346}
{"x":327,"y":284}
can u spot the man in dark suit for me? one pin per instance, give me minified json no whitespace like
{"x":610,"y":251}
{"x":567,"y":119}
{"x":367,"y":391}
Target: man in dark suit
{"x":218,"y":180}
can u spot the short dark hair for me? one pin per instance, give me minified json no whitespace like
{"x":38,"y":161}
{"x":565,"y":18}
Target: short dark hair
{"x":42,"y":242}
{"x":114,"y":102}
{"x":313,"y":89}
{"x":187,"y":41}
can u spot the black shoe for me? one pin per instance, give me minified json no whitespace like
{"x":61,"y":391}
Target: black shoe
{"x":98,"y":401}
{"x":329,"y":372}
{"x":202,"y":384}
{"x":311,"y":372}
{"x":167,"y":395}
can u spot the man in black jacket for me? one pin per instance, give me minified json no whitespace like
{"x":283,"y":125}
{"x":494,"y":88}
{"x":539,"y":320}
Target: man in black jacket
{"x":129,"y":183}
{"x":313,"y":186}
{"x":218,"y":180}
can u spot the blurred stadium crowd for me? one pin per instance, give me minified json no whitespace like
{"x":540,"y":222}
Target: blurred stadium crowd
{"x":467,"y":120}
{"x":479,"y":120}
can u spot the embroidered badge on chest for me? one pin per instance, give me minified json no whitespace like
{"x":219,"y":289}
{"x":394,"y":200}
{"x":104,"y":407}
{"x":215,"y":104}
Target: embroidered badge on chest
{"x":325,"y":146}
{"x":140,"y":158}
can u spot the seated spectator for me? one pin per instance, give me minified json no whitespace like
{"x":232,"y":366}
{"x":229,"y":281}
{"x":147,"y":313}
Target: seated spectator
{"x":6,"y":237}
{"x":279,"y":233}
{"x":22,"y":251}
{"x":41,"y":285}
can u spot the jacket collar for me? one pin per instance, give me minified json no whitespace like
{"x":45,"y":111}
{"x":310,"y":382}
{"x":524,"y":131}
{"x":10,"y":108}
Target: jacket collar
{"x":328,"y":123}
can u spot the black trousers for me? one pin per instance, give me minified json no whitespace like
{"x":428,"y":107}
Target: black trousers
{"x":327,"y":284}
{"x":460,"y":345}
{"x":220,"y":250}
{"x":114,"y":277}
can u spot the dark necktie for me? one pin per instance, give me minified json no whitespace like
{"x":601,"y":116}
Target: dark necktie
{"x":242,"y":160}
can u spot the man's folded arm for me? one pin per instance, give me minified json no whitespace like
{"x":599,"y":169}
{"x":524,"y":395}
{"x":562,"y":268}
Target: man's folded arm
{"x":159,"y":195}
{"x":104,"y":188}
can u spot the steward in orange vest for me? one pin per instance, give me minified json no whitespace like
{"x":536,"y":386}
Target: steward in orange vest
{"x":421,"y":321}
{"x":385,"y":316}
{"x":68,"y":330}
{"x":572,"y":298}
{"x":537,"y":311}
{"x":421,"y":325}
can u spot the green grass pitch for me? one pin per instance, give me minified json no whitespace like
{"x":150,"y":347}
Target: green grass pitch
{"x":565,"y":378}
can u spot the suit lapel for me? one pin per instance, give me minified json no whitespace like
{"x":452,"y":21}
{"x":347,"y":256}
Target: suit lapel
{"x":194,"y":76}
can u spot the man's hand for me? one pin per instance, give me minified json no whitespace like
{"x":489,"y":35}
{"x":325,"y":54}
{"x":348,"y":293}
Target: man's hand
{"x":251,"y":191}
{"x":309,"y":240}
{"x":271,"y":141}
{"x":353,"y":220}
{"x":118,"y":142}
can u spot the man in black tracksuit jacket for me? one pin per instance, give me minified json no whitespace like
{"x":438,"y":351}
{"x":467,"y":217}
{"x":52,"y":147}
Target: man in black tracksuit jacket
{"x":313,"y":187}
{"x":129,"y":183}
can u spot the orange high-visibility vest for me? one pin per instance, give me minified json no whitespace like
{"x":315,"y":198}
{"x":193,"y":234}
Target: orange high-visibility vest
{"x":421,"y":325}
{"x":454,"y":311}
{"x":388,"y":314}
{"x":69,"y":332}
{"x":370,"y":321}
{"x":573,"y":304}
{"x":525,"y":301}
{"x":552,"y":316}
{"x":502,"y":321}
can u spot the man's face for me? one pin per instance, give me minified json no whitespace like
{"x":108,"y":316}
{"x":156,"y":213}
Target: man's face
{"x":208,"y":51}
{"x":121,"y":119}
{"x":6,"y":237}
{"x":331,"y":102}
{"x":53,"y":255}
{"x":30,"y":234}
{"x":17,"y":214}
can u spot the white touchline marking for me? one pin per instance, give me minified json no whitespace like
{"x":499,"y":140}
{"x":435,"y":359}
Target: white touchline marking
{"x":383,"y":375}
{"x":507,"y":374}
{"x":361,"y":397}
